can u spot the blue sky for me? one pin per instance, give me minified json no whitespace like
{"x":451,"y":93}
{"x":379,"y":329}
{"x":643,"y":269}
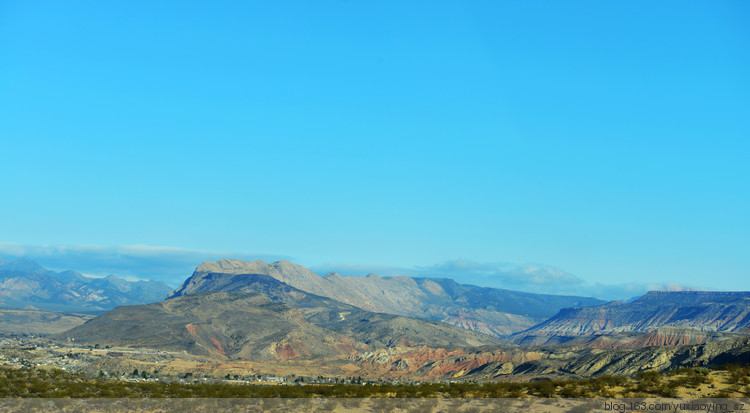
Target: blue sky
{"x":607,"y":139}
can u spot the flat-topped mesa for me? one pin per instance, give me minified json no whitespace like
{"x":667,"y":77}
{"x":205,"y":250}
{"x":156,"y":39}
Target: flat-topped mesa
{"x":692,"y":292}
{"x":706,"y":311}
{"x":692,"y":297}
{"x":206,"y":276}
{"x":230,"y":266}
{"x":279,"y":269}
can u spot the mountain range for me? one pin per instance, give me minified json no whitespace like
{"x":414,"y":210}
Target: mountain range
{"x":519,"y":317}
{"x":410,"y":328}
{"x":284,"y":313}
{"x":266,"y":319}
{"x":492,"y":311}
{"x":28,"y":285}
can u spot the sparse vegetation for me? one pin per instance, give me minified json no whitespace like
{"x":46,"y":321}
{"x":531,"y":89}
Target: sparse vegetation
{"x":27,"y":382}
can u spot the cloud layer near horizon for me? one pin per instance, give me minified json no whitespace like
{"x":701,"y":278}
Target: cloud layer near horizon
{"x":533,"y":278}
{"x":168,"y":264}
{"x":174,"y":265}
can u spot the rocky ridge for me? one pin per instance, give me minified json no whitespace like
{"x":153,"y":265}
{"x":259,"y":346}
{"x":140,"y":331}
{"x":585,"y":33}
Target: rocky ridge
{"x":587,"y":362}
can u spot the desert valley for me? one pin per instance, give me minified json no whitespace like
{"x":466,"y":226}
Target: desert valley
{"x":246,"y":322}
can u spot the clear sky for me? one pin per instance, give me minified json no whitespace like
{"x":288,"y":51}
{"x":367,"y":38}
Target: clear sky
{"x":607,"y":139}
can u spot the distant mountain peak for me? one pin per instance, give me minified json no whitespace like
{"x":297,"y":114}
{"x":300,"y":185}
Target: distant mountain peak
{"x":22,"y":265}
{"x":71,"y":290}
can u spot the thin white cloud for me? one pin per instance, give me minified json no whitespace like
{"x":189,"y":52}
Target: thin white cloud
{"x":502,"y":273}
{"x":169,"y":264}
{"x":347,"y":268}
{"x":532,"y":278}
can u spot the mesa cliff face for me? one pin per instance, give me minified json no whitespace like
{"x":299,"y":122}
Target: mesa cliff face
{"x":492,"y":311}
{"x":701,"y":311}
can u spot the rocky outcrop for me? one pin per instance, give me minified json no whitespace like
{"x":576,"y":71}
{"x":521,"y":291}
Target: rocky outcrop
{"x":579,"y":362}
{"x":669,"y":336}
{"x":430,"y":363}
